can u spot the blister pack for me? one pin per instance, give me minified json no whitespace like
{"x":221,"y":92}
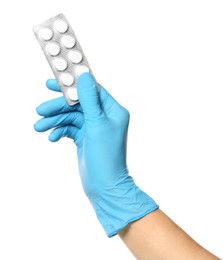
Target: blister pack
{"x":63,"y":53}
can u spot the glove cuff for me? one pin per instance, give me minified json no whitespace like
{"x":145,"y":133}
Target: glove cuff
{"x":118,"y":207}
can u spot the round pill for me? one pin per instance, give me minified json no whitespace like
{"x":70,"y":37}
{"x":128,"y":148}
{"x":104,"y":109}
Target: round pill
{"x":67,"y":79}
{"x":68,"y":41}
{"x":46,"y":34}
{"x":61,"y":26}
{"x":53,"y":48}
{"x":81,"y":69}
{"x":60,"y":64}
{"x":72,"y":93}
{"x":75,"y":56}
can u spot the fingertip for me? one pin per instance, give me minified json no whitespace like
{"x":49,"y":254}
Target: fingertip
{"x":36,"y":127}
{"x":53,"y":137}
{"x":52,"y":84}
{"x":39,"y":126}
{"x":39,"y":110}
{"x":86,"y":86}
{"x":85,"y":78}
{"x":42,"y":109}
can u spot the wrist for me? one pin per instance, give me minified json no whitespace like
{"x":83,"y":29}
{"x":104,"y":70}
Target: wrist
{"x":118,"y":206}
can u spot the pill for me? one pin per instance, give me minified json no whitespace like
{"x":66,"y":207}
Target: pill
{"x":60,"y":25}
{"x":63,"y":53}
{"x":53,"y":48}
{"x":72,"y":93}
{"x":60,"y":64}
{"x":67,"y":79}
{"x":75,"y":56}
{"x":79,"y":69}
{"x":46,"y":34}
{"x":68,"y":41}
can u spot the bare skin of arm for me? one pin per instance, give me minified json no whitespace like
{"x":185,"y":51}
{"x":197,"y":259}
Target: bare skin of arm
{"x":157,"y":237}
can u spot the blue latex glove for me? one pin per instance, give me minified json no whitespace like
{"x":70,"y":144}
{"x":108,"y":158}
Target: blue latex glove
{"x":98,"y":126}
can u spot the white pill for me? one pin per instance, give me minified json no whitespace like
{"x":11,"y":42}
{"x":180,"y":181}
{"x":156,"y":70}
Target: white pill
{"x":61,"y":26}
{"x":53,"y":48}
{"x":67,"y":79}
{"x":72,"y":93}
{"x":68,"y":41}
{"x":60,"y":64}
{"x":75,"y":56}
{"x":79,"y":69}
{"x":46,"y":34}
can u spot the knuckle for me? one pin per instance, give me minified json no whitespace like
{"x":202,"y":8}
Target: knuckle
{"x":125,"y":114}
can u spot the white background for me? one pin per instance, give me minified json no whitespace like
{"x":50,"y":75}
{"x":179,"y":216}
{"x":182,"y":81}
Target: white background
{"x":163,"y":60}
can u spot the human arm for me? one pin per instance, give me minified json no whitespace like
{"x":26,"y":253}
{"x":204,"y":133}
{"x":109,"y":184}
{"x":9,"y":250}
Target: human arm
{"x":156,"y":236}
{"x":98,"y":126}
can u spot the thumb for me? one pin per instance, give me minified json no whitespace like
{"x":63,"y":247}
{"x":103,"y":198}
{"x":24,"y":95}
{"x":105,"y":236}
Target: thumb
{"x":89,"y":97}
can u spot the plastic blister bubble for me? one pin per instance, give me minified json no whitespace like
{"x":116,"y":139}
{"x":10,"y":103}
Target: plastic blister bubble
{"x":63,"y":53}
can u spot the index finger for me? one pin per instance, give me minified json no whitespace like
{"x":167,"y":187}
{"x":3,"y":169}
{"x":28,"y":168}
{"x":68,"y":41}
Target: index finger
{"x":56,"y":106}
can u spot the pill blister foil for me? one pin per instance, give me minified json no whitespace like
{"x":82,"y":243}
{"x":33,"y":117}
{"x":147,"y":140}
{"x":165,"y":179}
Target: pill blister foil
{"x":67,"y":63}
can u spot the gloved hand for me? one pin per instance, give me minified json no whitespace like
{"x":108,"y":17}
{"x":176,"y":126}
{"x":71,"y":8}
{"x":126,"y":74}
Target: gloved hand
{"x":98,"y":126}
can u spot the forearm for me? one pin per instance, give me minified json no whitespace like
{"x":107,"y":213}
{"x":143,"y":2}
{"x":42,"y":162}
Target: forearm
{"x":156,"y":236}
{"x":98,"y":126}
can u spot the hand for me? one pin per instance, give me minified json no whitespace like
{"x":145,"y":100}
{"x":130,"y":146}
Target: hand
{"x":98,"y":126}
